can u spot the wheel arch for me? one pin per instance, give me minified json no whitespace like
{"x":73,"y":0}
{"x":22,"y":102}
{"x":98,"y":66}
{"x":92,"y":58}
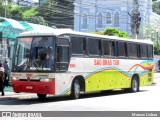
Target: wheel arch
{"x":137,"y":76}
{"x":138,"y":79}
{"x":81,"y":80}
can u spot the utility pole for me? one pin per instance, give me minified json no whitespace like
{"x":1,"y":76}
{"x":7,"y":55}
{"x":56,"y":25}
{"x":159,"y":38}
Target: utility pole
{"x":135,"y":19}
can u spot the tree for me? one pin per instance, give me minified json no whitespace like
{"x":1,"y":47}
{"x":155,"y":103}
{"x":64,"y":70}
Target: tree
{"x":152,"y":32}
{"x":37,"y":20}
{"x":59,"y":13}
{"x":29,"y":14}
{"x":16,"y":12}
{"x":113,"y":32}
{"x":2,"y":8}
{"x":156,"y":7}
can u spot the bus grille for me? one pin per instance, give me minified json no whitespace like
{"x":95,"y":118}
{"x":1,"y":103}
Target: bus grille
{"x":29,"y":80}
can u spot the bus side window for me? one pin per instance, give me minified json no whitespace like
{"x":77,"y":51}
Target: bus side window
{"x":143,"y":51}
{"x":109,"y":47}
{"x":122,"y":49}
{"x":132,"y":50}
{"x":150,"y":51}
{"x":63,"y":54}
{"x":138,"y":50}
{"x":94,"y":47}
{"x":77,"y":45}
{"x":84,"y":46}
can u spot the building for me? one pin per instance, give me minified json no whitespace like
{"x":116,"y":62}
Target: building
{"x":25,"y":3}
{"x":96,"y":15}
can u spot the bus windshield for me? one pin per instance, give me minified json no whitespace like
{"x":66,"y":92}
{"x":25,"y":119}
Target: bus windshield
{"x":35,"y":54}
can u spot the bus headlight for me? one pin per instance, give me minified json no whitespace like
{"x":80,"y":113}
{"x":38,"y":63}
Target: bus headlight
{"x":44,"y":80}
{"x":14,"y":78}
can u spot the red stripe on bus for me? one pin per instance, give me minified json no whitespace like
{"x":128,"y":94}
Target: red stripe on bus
{"x":34,"y":87}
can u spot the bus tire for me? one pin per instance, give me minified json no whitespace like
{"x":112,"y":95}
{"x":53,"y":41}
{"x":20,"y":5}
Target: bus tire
{"x":134,"y":84}
{"x":41,"y":96}
{"x":75,"y":91}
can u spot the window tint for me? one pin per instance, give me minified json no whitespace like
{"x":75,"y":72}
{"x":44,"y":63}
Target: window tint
{"x":132,"y":50}
{"x":63,"y":41}
{"x":122,"y":49}
{"x":109,"y":48}
{"x":78,"y":45}
{"x":150,"y":51}
{"x":143,"y":50}
{"x":94,"y":46}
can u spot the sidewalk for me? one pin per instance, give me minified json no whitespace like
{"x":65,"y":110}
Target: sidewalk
{"x":9,"y":94}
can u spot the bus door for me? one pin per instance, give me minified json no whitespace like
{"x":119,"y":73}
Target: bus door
{"x":62,"y":55}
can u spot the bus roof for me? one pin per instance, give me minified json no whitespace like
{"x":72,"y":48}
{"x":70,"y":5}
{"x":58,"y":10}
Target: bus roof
{"x":58,"y":32}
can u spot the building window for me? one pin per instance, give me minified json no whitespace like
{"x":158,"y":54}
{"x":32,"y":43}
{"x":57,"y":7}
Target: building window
{"x":100,"y":20}
{"x":116,"y":19}
{"x":108,"y":17}
{"x":84,"y":25}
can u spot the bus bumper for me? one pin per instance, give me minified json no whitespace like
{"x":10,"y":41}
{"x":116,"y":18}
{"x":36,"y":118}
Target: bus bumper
{"x":34,"y":87}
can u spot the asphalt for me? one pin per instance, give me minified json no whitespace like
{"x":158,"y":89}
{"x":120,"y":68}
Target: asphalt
{"x":9,"y":94}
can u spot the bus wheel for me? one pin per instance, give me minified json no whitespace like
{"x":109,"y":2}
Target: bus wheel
{"x":134,"y":84}
{"x":75,"y":92}
{"x":41,"y":96}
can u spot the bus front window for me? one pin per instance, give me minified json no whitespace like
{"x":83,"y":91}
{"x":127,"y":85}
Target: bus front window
{"x":35,"y":53}
{"x":42,"y":53}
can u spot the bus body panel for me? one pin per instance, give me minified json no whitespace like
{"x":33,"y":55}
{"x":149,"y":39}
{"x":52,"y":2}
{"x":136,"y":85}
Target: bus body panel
{"x":30,"y":82}
{"x":105,"y":74}
{"x":99,"y":74}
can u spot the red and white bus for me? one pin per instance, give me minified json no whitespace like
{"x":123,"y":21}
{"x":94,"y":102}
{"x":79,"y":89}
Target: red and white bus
{"x":63,"y":61}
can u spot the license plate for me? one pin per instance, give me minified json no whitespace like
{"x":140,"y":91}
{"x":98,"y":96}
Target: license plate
{"x":29,"y":87}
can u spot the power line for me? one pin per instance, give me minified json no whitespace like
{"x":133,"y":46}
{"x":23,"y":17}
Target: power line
{"x":67,"y":11}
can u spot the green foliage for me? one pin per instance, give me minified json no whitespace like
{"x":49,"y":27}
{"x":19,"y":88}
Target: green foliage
{"x":156,"y":7}
{"x":59,"y":13}
{"x":152,"y":32}
{"x":123,"y":35}
{"x":22,"y":13}
{"x":113,"y":32}
{"x":36,"y":20}
{"x":16,"y":12}
{"x":30,"y":12}
{"x":2,"y":8}
{"x":99,"y":33}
